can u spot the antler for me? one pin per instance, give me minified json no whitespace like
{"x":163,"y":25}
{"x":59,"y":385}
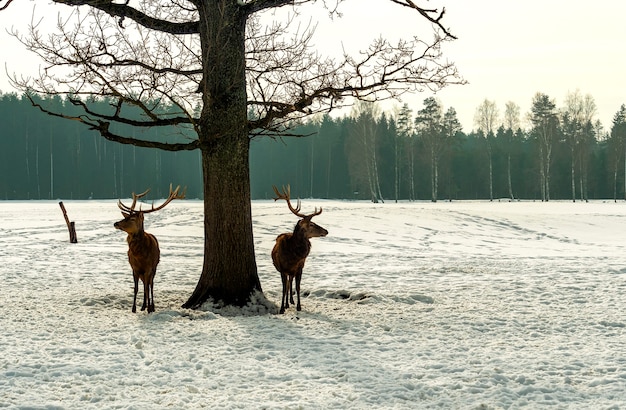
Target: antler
{"x":173,"y":195}
{"x":131,"y":209}
{"x":286,"y":195}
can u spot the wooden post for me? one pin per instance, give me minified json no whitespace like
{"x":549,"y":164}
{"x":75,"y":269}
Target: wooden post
{"x":70,"y":225}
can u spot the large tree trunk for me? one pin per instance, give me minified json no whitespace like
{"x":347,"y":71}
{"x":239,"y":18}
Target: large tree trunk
{"x":229,"y":272}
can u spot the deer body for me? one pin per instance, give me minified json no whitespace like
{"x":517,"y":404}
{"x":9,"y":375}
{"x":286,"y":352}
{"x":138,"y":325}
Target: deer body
{"x":143,"y":248}
{"x":143,"y":256}
{"x":291,"y":250}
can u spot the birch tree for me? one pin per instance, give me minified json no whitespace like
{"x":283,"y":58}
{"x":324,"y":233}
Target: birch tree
{"x":543,"y":117}
{"x":577,"y":118}
{"x":486,"y":122}
{"x":364,"y":148}
{"x":511,"y":124}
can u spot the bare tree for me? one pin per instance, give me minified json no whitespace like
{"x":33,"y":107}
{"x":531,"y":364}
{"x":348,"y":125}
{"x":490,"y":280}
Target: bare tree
{"x":577,"y":124}
{"x":363,"y":148}
{"x":486,"y":121}
{"x":592,"y":130}
{"x":511,"y":124}
{"x":212,"y":74}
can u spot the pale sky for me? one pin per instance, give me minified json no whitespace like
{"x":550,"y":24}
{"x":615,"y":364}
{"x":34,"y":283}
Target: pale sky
{"x":507,"y":49}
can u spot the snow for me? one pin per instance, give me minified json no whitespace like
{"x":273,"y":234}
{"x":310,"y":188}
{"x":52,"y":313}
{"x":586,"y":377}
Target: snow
{"x":471,"y":305}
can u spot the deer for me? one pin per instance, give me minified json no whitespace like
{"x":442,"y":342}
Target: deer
{"x":291,"y":249}
{"x":143,"y":247}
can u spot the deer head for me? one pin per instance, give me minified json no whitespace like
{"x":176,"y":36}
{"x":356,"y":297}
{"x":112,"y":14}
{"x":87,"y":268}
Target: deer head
{"x":309,"y":228}
{"x":133,"y":219}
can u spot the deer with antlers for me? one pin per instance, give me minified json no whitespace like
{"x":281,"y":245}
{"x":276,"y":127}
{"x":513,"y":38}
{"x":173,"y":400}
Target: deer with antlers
{"x":143,"y":247}
{"x":291,"y":249}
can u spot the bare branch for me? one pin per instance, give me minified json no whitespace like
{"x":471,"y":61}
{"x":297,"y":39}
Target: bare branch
{"x":309,"y":84}
{"x":161,"y":74}
{"x":431,"y":15}
{"x":103,"y":128}
{"x":123,"y":11}
{"x":153,"y":74}
{"x":5,"y":5}
{"x":253,"y":6}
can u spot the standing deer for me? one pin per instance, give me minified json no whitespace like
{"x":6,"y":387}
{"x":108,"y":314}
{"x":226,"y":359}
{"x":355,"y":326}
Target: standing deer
{"x":143,"y":247}
{"x":291,"y":249}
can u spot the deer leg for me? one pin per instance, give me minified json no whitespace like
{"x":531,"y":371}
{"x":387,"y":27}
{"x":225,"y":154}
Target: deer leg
{"x":150,"y":299}
{"x":151,"y":293}
{"x":145,"y":294}
{"x":290,"y":289}
{"x":283,"y":299}
{"x":298,"y":278}
{"x":136,"y":278}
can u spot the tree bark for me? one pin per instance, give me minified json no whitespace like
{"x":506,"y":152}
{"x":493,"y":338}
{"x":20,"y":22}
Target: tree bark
{"x":70,"y":225}
{"x":229,"y":273}
{"x":227,"y":227}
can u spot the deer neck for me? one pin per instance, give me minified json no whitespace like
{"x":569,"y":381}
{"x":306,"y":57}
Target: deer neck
{"x":137,"y":237}
{"x":299,"y":240}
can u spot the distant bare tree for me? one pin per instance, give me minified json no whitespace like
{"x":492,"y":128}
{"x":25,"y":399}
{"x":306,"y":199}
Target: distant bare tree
{"x":211,"y":74}
{"x":511,"y":124}
{"x":577,"y":118}
{"x":363,"y":148}
{"x":486,"y":121}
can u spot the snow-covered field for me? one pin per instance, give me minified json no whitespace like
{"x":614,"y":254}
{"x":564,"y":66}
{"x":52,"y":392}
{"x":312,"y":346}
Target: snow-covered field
{"x":463,"y":305}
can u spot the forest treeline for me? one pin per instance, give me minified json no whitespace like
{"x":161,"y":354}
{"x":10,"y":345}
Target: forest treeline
{"x":415,"y":153}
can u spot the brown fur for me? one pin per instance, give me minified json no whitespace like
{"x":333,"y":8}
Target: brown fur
{"x":143,"y":248}
{"x":143,"y":256}
{"x":289,"y":254}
